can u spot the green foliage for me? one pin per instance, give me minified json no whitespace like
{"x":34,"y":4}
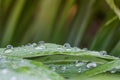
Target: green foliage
{"x":60,"y":21}
{"x":69,"y":62}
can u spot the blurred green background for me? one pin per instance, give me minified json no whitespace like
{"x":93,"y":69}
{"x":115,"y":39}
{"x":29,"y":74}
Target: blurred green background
{"x":92,"y":24}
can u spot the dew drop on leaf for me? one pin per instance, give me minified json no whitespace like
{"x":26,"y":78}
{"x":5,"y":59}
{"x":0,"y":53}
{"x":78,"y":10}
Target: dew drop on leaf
{"x":8,"y":49}
{"x":67,"y":45}
{"x":103,"y":52}
{"x":40,"y":47}
{"x":90,"y":65}
{"x":41,"y":43}
{"x":53,"y":68}
{"x":79,"y":63}
{"x":63,"y":68}
{"x":79,"y":70}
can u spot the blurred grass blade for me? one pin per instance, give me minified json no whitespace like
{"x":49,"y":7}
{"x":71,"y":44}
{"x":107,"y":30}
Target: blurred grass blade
{"x":105,"y":34}
{"x":80,"y":23}
{"x":111,"y":3}
{"x":61,"y":21}
{"x":25,"y":21}
{"x":116,"y":50}
{"x":43,"y":23}
{"x":12,"y":21}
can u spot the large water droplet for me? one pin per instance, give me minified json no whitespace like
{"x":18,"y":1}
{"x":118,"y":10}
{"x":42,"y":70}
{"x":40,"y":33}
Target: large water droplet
{"x":92,"y":64}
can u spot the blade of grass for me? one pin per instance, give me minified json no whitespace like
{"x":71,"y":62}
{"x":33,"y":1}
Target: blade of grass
{"x":116,"y":50}
{"x":111,"y":3}
{"x":105,"y":35}
{"x":12,"y":21}
{"x":24,"y":21}
{"x":81,"y":21}
{"x":43,"y":23}
{"x":57,"y":36}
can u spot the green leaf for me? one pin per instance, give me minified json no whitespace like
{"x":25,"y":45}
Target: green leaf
{"x":116,"y":50}
{"x":19,"y":69}
{"x":57,"y":55}
{"x":53,"y":52}
{"x":104,"y":36}
{"x":111,"y":3}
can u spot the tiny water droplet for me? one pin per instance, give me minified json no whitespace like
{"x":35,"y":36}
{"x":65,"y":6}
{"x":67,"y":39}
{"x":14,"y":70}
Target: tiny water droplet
{"x":79,"y":63}
{"x":85,"y":49}
{"x":33,"y":44}
{"x":67,"y":45}
{"x":76,"y":49}
{"x":40,"y":47}
{"x":79,"y":70}
{"x":63,"y":68}
{"x":29,"y":44}
{"x":41,"y":42}
{"x":103,"y":52}
{"x":113,"y":71}
{"x":92,"y":64}
{"x":53,"y":68}
{"x":8,"y":49}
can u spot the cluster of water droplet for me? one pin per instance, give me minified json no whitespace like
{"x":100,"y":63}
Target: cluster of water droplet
{"x":78,"y":67}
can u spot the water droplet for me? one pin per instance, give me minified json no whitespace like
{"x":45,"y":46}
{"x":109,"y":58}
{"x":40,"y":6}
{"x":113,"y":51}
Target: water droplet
{"x":92,"y":64}
{"x":41,"y":42}
{"x":4,"y":71}
{"x":113,"y":71}
{"x":79,"y":63}
{"x":53,"y":68}
{"x":103,"y":52}
{"x":33,"y":44}
{"x":9,"y":49}
{"x":76,"y":49}
{"x":85,"y":49}
{"x":29,"y":44}
{"x":79,"y":70}
{"x":67,"y":45}
{"x":13,"y":78}
{"x":63,"y":68}
{"x":40,"y":47}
